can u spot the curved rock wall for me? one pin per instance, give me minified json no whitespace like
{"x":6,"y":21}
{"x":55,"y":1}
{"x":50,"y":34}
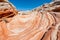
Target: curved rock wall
{"x":42,"y":23}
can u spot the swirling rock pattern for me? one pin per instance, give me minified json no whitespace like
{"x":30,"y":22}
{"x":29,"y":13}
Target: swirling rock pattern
{"x":34,"y":25}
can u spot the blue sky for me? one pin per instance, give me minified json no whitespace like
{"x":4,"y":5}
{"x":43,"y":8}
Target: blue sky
{"x":28,"y":4}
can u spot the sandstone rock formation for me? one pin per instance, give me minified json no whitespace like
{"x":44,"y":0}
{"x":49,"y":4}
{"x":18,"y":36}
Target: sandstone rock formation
{"x":6,"y":10}
{"x":41,"y":23}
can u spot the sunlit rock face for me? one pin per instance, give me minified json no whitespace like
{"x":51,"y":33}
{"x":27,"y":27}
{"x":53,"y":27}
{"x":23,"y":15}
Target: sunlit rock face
{"x":41,"y":23}
{"x":7,"y":10}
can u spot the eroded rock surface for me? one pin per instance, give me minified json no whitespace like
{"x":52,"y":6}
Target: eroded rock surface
{"x":41,"y":23}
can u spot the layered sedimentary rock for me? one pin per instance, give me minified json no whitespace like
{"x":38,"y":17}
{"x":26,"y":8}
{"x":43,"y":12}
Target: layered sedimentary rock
{"x":41,"y":23}
{"x":6,"y":10}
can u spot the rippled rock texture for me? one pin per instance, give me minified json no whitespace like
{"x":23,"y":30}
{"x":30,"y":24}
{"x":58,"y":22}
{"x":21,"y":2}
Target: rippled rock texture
{"x":42,"y":23}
